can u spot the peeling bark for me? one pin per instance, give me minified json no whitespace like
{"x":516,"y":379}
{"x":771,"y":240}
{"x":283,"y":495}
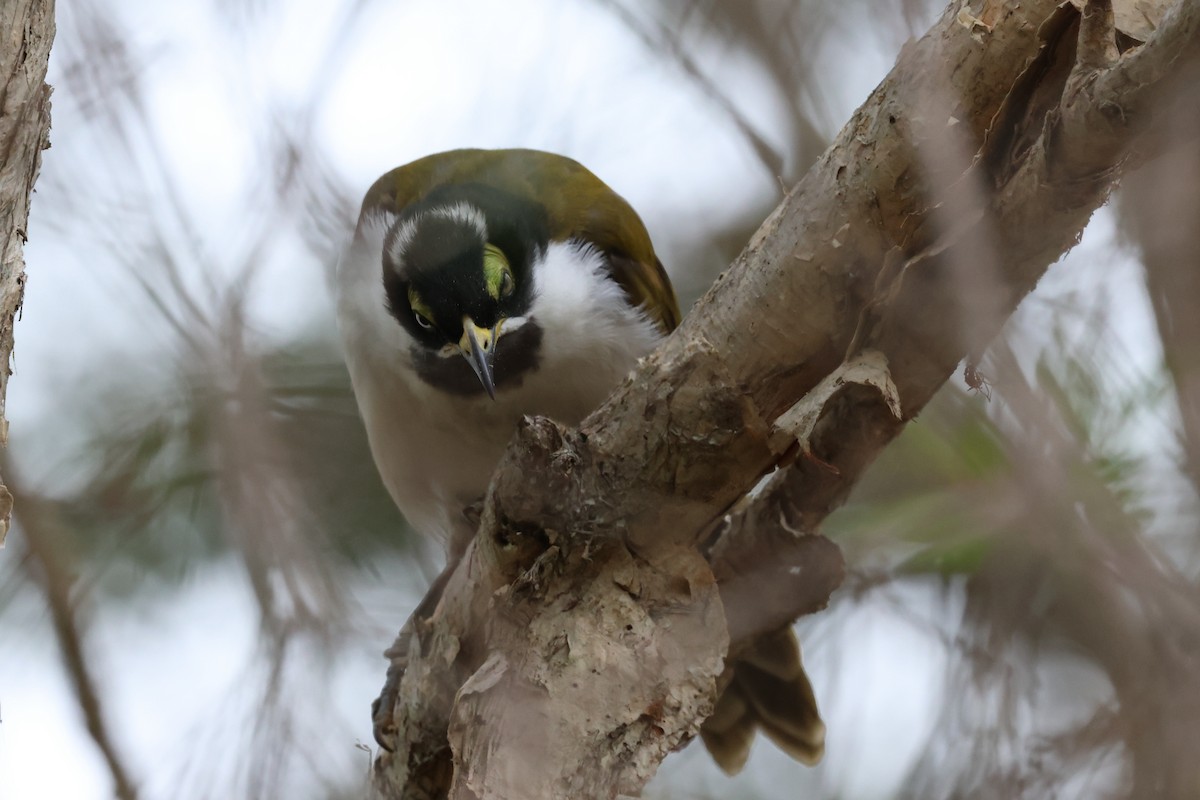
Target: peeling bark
{"x":582,"y":637}
{"x":26,"y":31}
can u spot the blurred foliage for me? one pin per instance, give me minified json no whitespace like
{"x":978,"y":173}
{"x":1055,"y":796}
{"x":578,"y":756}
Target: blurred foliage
{"x":964,"y":445}
{"x":151,"y":497}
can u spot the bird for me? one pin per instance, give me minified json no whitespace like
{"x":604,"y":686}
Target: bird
{"x":481,"y":286}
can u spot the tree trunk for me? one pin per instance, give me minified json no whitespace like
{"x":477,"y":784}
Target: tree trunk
{"x":27,"y":28}
{"x":582,"y":637}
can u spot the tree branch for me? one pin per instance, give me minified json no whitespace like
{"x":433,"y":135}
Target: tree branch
{"x":581,"y":639}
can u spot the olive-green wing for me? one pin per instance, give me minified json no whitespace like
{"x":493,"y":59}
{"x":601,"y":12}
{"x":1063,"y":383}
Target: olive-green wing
{"x":584,"y":207}
{"x":579,"y":206}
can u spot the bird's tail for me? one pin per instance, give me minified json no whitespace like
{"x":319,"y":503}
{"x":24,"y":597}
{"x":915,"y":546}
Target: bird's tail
{"x":766,"y":689}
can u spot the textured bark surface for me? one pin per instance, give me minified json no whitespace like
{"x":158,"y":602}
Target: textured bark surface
{"x":26,"y":31}
{"x":583,"y":635}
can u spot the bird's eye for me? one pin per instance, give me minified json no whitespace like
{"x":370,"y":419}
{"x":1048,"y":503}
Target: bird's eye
{"x":506,"y":285}
{"x":422,"y":321}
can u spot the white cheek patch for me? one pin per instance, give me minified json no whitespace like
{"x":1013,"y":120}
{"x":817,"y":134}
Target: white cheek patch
{"x":570,"y":280}
{"x":573,"y":283}
{"x":583,"y":310}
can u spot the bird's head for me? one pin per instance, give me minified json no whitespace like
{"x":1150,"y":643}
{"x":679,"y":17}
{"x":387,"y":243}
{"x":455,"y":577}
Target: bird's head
{"x":456,"y":270}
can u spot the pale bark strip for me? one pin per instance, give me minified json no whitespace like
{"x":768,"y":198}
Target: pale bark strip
{"x":26,"y":32}
{"x":583,"y":528}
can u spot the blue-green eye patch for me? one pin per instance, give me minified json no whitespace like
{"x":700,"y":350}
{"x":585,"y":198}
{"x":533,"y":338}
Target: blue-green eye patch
{"x":497,"y":274}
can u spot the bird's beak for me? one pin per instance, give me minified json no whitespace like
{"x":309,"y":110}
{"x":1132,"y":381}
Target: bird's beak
{"x":478,"y":346}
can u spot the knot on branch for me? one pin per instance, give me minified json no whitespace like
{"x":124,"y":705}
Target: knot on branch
{"x":545,"y":455}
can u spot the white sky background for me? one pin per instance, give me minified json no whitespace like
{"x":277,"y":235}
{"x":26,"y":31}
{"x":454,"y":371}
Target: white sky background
{"x":413,"y":78}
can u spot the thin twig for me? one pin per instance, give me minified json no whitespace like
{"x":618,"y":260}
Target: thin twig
{"x":54,"y":577}
{"x":767,"y":155}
